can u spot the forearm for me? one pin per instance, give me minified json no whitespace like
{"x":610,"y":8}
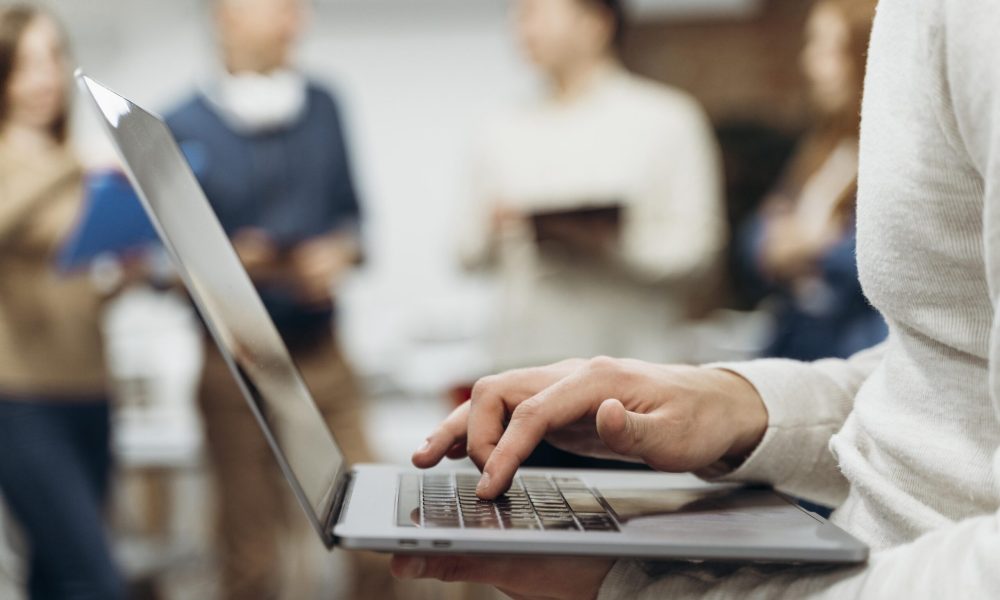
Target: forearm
{"x":675,"y":227}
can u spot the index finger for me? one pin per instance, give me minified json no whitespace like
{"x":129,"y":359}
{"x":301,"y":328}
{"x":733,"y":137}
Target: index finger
{"x":559,"y":405}
{"x":497,"y":396}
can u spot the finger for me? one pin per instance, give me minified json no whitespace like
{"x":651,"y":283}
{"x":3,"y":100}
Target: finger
{"x":450,"y":432}
{"x":487,"y":412}
{"x":624,"y":432}
{"x":557,"y":406}
{"x":495,"y":397}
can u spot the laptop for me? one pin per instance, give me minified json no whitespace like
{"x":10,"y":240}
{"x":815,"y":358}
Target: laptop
{"x":397,"y":509}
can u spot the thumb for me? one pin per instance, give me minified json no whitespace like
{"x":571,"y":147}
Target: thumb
{"x":623,"y":432}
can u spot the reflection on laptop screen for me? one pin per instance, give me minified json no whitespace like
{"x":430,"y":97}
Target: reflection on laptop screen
{"x":226,"y":299}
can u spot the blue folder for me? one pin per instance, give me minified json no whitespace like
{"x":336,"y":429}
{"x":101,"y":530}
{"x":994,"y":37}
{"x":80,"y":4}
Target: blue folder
{"x":112,"y":222}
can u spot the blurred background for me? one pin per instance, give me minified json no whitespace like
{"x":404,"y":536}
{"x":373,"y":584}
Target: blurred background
{"x":708,"y":216}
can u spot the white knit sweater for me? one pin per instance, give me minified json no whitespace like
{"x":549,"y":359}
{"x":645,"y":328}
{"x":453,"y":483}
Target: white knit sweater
{"x":622,"y":140}
{"x":903,"y":438}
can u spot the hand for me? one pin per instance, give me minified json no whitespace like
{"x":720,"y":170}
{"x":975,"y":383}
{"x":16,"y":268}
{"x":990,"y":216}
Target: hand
{"x":504,"y":216}
{"x":789,"y":250}
{"x":257,"y":251}
{"x":674,"y":418}
{"x":318,"y":264}
{"x":531,"y":578}
{"x":583,"y":237}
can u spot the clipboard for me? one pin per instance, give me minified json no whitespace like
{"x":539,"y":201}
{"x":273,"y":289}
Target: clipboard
{"x":112,"y":222}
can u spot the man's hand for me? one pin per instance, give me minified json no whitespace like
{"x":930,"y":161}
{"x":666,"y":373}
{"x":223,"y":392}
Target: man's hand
{"x":533,"y":578}
{"x":258,"y":253}
{"x":673,"y":418}
{"x":318,"y":264}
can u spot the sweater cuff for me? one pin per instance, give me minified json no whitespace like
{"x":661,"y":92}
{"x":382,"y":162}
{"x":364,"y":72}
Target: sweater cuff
{"x":798,"y":423}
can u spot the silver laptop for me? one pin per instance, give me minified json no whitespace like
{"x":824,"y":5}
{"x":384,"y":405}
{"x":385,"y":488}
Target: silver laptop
{"x":395,"y":509}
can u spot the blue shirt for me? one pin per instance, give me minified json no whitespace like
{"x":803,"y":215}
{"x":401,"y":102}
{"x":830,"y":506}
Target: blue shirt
{"x":293,"y":183}
{"x":839,"y":321}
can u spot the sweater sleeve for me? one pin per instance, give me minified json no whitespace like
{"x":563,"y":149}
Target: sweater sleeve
{"x":476,"y":240}
{"x":34,"y":211}
{"x":676,"y":227}
{"x":807,"y":403}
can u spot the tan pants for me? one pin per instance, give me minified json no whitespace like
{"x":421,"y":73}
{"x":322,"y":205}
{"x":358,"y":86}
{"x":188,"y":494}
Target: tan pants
{"x":255,"y":518}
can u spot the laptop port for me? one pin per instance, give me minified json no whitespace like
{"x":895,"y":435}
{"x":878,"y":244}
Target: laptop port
{"x":441,"y":544}
{"x":408,"y":543}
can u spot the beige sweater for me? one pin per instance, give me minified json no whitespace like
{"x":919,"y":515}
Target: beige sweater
{"x":905,"y":439}
{"x":49,"y":340}
{"x":625,"y":141}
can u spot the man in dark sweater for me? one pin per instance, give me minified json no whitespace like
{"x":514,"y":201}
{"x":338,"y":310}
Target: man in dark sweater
{"x":269,"y":149}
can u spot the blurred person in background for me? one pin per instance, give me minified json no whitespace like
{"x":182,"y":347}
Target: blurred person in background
{"x":599,"y":204}
{"x":270,"y":150}
{"x":799,"y":250}
{"x":55,"y":457}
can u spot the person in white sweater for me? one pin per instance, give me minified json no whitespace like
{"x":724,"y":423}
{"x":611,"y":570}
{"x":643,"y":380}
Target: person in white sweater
{"x":903,"y":438}
{"x":598,"y":205}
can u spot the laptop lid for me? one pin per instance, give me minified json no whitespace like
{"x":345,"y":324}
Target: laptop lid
{"x":308,"y":455}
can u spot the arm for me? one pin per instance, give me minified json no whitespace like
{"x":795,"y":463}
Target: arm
{"x":806,"y":403}
{"x":676,"y":227}
{"x":345,"y":205}
{"x":320,"y":262}
{"x":478,"y":215}
{"x":35,"y":210}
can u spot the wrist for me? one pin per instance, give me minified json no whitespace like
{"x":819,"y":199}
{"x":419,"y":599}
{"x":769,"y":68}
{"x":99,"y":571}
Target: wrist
{"x":747,"y":415}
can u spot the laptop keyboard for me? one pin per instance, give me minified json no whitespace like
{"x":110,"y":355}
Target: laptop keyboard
{"x":534,"y":502}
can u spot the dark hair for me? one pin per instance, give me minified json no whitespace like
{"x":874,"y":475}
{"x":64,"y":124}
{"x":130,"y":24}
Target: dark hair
{"x":14,"y":20}
{"x":615,"y":10}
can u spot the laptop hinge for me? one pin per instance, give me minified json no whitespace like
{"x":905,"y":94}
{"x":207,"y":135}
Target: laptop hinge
{"x":339,"y":504}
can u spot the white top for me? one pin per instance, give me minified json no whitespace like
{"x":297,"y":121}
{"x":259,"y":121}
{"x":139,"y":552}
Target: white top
{"x":624,"y":141}
{"x":904,"y":438}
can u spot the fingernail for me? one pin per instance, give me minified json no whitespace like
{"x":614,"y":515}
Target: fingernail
{"x":426,"y":445}
{"x":484,"y":483}
{"x":413,"y":568}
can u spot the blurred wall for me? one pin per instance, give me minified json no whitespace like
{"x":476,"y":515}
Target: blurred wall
{"x":743,"y":69}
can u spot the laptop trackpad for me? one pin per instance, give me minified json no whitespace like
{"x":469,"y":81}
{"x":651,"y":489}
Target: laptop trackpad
{"x":706,"y":513}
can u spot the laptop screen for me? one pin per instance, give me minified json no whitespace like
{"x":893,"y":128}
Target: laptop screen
{"x":227,"y":300}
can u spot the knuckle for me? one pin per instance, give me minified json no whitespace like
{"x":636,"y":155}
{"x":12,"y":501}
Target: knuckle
{"x":484,"y":387}
{"x":529,"y":410}
{"x":603,"y":365}
{"x":611,"y":370}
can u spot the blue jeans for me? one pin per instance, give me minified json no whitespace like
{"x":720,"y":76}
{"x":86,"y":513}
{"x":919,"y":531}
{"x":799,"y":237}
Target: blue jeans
{"x":54,"y":467}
